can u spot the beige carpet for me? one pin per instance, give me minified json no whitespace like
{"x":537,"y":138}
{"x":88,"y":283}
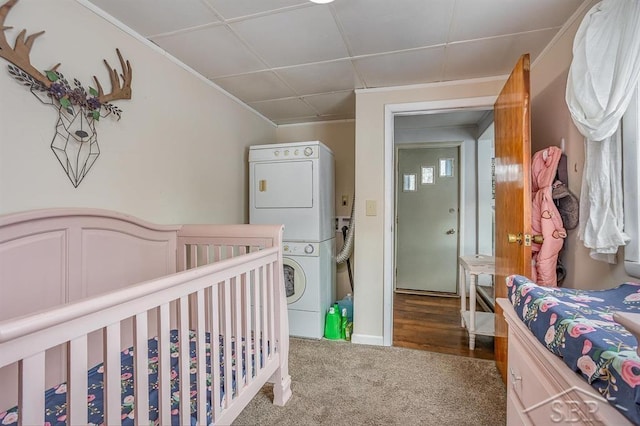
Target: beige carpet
{"x":339,"y":383}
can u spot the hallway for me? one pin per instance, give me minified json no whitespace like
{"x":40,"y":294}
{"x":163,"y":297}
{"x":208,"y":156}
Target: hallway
{"x":432,"y":323}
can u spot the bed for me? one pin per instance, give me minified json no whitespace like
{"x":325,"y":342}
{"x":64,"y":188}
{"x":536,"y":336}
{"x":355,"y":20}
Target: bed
{"x":101,"y":312}
{"x":570,"y":359}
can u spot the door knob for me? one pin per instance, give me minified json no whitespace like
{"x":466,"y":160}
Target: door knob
{"x":514,"y":238}
{"x":451,"y":231}
{"x":526,"y":238}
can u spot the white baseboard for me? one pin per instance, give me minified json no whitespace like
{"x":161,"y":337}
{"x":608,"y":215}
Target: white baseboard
{"x":366,"y":339}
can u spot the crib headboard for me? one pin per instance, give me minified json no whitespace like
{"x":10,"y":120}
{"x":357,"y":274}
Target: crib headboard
{"x":49,"y":257}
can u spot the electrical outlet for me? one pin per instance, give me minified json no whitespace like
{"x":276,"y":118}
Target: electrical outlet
{"x":371,"y":208}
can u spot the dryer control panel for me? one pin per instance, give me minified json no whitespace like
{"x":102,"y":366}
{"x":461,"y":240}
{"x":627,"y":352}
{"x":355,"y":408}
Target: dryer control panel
{"x":300,"y":249}
{"x":276,"y":153}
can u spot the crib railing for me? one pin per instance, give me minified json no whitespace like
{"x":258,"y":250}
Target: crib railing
{"x":234,"y":291}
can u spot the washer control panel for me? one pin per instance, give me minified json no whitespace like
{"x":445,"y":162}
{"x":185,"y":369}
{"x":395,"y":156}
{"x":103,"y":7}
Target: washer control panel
{"x":299,"y":249}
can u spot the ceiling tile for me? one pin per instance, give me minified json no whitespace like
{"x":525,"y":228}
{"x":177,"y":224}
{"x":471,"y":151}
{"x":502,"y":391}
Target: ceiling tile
{"x":412,"y":67}
{"x":284,"y":109}
{"x":212,"y":51}
{"x":294,"y":37}
{"x":322,"y":77}
{"x":151,"y":17}
{"x":341,"y":103}
{"x":373,"y":26}
{"x":477,"y":19}
{"x":493,"y":56}
{"x":255,"y":86}
{"x":230,"y":9}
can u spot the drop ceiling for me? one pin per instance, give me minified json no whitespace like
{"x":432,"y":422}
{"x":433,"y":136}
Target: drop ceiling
{"x":294,"y":61}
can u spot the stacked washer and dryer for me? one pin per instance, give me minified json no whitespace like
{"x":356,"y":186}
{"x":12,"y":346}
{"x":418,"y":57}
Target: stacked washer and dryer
{"x":293,"y":184}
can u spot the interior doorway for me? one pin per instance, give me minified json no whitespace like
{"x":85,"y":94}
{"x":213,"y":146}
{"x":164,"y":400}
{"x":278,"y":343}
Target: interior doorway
{"x":433,"y":123}
{"x":427,"y":198}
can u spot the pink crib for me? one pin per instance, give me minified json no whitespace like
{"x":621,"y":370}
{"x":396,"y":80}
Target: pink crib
{"x":82,"y":289}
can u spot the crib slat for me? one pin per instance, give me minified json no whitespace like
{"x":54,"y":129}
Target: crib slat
{"x":112,"y":375}
{"x":31,"y":389}
{"x":272,"y":313}
{"x":246,"y":289}
{"x":265,"y":308}
{"x":215,"y":352}
{"x":185,"y":360}
{"x":256,"y":317}
{"x":201,"y":358}
{"x":164,"y":364}
{"x":193,"y":256}
{"x":227,"y":336}
{"x":208,"y":309}
{"x":237,"y":332}
{"x":141,"y":368}
{"x":77,"y":381}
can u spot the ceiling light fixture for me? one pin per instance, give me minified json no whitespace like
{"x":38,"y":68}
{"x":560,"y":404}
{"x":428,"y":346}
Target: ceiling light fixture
{"x":321,"y":1}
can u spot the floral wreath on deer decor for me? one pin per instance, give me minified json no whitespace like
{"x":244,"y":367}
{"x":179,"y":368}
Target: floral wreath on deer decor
{"x":75,"y":143}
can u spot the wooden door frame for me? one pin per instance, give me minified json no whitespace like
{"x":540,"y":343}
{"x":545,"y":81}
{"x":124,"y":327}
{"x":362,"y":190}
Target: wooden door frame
{"x":460,"y":176}
{"x":390,"y":110}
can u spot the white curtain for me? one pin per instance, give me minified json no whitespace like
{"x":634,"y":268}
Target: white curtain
{"x":603,"y":75}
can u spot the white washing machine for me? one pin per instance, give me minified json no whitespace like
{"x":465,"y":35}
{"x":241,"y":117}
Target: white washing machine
{"x":309,"y":281}
{"x":293,"y":184}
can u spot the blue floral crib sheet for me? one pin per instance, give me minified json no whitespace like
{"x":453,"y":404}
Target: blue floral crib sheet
{"x":578,"y":326}
{"x":55,"y":398}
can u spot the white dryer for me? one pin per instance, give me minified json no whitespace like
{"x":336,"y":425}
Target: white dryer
{"x":293,"y":184}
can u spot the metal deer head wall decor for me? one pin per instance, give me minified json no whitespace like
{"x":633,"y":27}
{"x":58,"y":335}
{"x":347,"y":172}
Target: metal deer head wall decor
{"x":75,"y":142}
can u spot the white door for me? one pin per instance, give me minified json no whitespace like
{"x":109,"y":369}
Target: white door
{"x":427,"y":183}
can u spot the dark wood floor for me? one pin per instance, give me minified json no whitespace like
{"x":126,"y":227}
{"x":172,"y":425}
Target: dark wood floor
{"x":432,"y":323}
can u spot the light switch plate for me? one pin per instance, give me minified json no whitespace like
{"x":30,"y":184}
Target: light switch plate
{"x":371,"y":208}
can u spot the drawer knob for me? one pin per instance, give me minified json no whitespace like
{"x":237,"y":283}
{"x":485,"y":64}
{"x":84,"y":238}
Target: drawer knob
{"x":514,"y":378}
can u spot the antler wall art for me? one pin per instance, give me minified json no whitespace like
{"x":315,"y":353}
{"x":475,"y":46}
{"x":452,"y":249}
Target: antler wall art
{"x":75,"y":142}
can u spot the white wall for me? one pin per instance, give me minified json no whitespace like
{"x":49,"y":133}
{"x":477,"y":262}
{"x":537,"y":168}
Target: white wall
{"x":551,"y":122}
{"x":179,"y":153}
{"x":486,"y":196}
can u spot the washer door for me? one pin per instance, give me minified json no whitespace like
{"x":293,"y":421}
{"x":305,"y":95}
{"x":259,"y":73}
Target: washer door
{"x":295,"y":281}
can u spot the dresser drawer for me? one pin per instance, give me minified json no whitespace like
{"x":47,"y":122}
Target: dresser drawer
{"x":536,"y":396}
{"x":515,"y":412}
{"x":528,"y":385}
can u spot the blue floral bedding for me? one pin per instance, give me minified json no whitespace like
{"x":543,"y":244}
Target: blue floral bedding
{"x":55,"y":398}
{"x":578,"y":326}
